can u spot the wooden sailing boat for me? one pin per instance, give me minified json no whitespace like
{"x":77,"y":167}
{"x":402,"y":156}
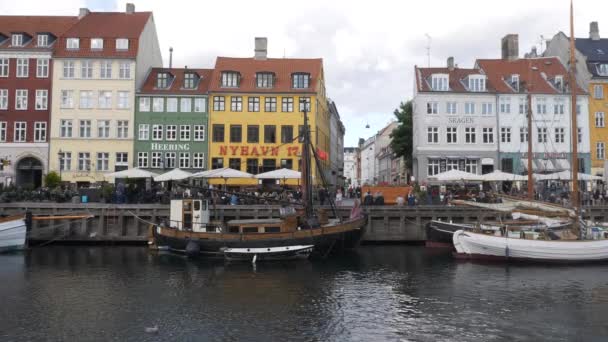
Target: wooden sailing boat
{"x":191,"y":231}
{"x":482,"y":246}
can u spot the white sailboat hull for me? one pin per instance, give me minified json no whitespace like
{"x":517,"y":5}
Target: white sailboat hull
{"x":481,"y":246}
{"x":12,"y":235}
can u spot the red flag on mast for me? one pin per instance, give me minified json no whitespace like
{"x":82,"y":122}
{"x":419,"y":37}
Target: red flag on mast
{"x":322,"y":154}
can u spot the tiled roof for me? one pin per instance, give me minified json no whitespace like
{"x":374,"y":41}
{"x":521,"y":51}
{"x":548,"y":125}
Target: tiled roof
{"x":176,"y":85}
{"x":31,"y":25}
{"x":535,"y":74}
{"x":456,"y":76}
{"x":282,"y":68}
{"x":106,"y":25}
{"x":594,"y":50}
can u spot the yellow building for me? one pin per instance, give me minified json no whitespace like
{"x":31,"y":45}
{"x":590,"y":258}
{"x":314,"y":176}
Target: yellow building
{"x":97,"y":67}
{"x":255,"y":107}
{"x":598,"y":109}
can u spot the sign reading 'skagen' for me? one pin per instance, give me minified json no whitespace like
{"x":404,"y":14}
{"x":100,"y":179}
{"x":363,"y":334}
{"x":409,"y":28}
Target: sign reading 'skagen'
{"x":461,"y":121}
{"x":169,"y":147}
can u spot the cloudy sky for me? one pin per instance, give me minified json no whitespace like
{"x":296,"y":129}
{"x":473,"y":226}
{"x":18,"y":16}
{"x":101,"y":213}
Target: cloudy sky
{"x":369,"y":48}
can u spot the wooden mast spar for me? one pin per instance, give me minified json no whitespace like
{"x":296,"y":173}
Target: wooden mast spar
{"x":306,"y":169}
{"x":574,"y":125}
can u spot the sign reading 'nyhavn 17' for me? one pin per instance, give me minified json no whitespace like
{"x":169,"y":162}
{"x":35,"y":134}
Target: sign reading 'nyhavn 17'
{"x":245,"y":150}
{"x":169,"y":147}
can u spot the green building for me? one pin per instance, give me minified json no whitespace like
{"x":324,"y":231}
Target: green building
{"x":171,"y":119}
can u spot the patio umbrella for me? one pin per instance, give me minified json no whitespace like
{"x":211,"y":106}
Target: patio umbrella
{"x":456,"y":175}
{"x":133,"y":173}
{"x":175,"y":174}
{"x":567,"y":175}
{"x":499,"y":176}
{"x":280,"y":174}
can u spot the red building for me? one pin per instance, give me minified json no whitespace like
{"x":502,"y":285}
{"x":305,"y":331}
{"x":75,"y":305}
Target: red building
{"x":26,"y":44}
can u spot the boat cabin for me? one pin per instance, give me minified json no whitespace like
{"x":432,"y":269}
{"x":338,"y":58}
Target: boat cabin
{"x":189,"y":214}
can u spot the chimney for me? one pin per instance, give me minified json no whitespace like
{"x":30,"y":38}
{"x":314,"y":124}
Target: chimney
{"x":170,"y":57}
{"x":83,"y":12}
{"x":510,"y":47}
{"x":594,"y":31}
{"x":450,"y":63}
{"x":261,"y":44}
{"x":130,"y":8}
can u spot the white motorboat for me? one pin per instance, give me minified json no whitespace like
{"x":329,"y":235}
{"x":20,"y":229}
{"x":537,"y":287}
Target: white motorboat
{"x":268,"y":253}
{"x":13,"y":231}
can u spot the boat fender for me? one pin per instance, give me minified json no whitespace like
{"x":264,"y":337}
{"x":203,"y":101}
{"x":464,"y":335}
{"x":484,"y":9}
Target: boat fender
{"x":192,"y":248}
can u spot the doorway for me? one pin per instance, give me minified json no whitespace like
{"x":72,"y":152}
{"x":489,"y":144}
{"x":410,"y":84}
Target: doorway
{"x":29,"y":172}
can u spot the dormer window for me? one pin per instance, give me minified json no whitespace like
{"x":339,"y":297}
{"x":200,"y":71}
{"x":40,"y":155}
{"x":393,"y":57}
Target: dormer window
{"x":477,"y":83}
{"x":514,"y":82}
{"x":162,"y":80}
{"x":559,"y":82}
{"x":96,"y":44}
{"x":230,"y":79}
{"x":190,"y":79}
{"x":440,"y":82}
{"x":73,"y":43}
{"x":17,"y":39}
{"x":264,"y":79}
{"x":43,"y":40}
{"x":122,"y":44}
{"x":602,"y":69}
{"x":300,"y":80}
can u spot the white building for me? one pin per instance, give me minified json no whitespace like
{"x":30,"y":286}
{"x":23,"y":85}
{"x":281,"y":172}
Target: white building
{"x":368,"y":161}
{"x":384,"y":153}
{"x":350,"y":166}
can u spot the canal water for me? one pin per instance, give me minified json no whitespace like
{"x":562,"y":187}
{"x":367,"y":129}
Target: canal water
{"x":379,"y":293}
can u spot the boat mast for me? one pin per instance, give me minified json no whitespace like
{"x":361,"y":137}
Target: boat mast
{"x":306,"y":175}
{"x":573,"y":87}
{"x":530,"y":180}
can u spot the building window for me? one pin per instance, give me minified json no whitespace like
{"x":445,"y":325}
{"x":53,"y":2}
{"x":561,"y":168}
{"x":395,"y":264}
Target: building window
{"x":142,"y":159}
{"x":432,"y":135}
{"x":67,"y":99}
{"x":65,"y":161}
{"x":184,"y":132}
{"x":287,"y":164}
{"x":96,"y":44}
{"x":433,"y":167}
{"x":599,"y":119}
{"x":66,"y":128}
{"x":486,"y":108}
{"x":144,"y":132}
{"x":234,"y":163}
{"x":505,"y":134}
{"x":17,"y":39}
{"x":217,"y":163}
{"x":450,"y":107}
{"x":200,"y":104}
{"x":42,"y":68}
{"x":103,"y":128}
{"x":171,"y":105}
{"x":253,"y":134}
{"x":122,"y":129}
{"x":558,"y":106}
{"x":439,"y":82}
{"x":105,"y":99}
{"x":184,"y":160}
{"x":469,"y":108}
{"x":598,"y":91}
{"x":144,"y":104}
{"x":171,"y":133}
{"x":4,"y":63}
{"x":68,"y":69}
{"x":84,"y":161}
{"x":42,"y":99}
{"x":157,"y":132}
{"x":73,"y":43}
{"x":199,"y":132}
{"x":156,"y":160}
{"x":162,"y":80}
{"x":253,"y":104}
{"x":218,"y":133}
{"x":185,"y":105}
{"x":2,"y":131}
{"x":287,"y":104}
{"x":431,"y":107}
{"x":579,"y":134}
{"x":123,"y":100}
{"x":158,"y":104}
{"x":270,"y":134}
{"x":252,"y":166}
{"x":452,"y":164}
{"x":541,"y":105}
{"x":270,"y":104}
{"x":20,"y":131}
{"x":602,"y":69}
{"x":85,"y":128}
{"x":559,"y":135}
{"x":105,"y":70}
{"x":470,"y":136}
{"x":488,"y":135}
{"x":103,"y":161}
{"x":286,"y":134}
{"x":236,"y":133}
{"x":40,"y":131}
{"x":219,"y":103}
{"x":304,"y":104}
{"x":523,"y":134}
{"x":264,"y":79}
{"x":470,"y":166}
{"x":23,"y":66}
{"x":122,"y":44}
{"x":43,"y":40}
{"x":86,"y":99}
{"x":170,"y":160}
{"x":122,"y":159}
{"x":542,"y":134}
{"x":452,"y":135}
{"x":3,"y":98}
{"x":300,"y":80}
{"x":230,"y":79}
{"x":523,"y":106}
{"x":477,"y":83}
{"x":198,"y":160}
{"x":86,"y":69}
{"x":21,"y":99}
{"x":236,"y":103}
{"x":124,"y":70}
{"x":505,"y":105}
{"x":269,"y":165}
{"x":599,"y":150}
{"x":189,"y":80}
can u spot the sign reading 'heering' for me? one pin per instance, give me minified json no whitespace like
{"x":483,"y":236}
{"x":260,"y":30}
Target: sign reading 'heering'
{"x":169,"y":147}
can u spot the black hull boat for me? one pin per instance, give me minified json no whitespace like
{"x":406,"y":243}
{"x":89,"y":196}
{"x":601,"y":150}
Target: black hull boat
{"x":254,"y":255}
{"x":440,"y":234}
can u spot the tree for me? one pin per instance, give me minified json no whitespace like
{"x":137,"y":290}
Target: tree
{"x":52,"y":180}
{"x":402,"y":142}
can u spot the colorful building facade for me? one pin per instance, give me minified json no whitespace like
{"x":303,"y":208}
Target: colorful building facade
{"x":171,"y":120}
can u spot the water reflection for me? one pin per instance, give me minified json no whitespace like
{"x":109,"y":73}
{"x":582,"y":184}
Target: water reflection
{"x":378,"y":293}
